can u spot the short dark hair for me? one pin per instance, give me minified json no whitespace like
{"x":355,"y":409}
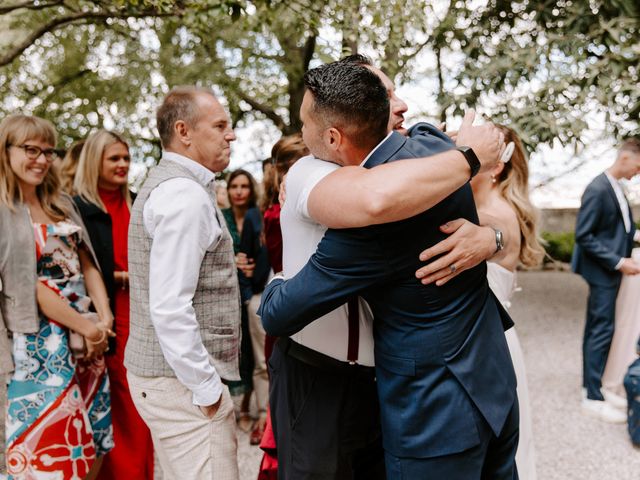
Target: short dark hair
{"x":351,"y":97}
{"x":358,"y":59}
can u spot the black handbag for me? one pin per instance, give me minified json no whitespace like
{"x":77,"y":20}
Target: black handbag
{"x":632,"y":386}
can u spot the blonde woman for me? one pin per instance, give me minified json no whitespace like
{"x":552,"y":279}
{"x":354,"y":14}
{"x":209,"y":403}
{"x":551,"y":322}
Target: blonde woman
{"x":58,"y":411}
{"x":104,"y":201}
{"x":503,"y":194}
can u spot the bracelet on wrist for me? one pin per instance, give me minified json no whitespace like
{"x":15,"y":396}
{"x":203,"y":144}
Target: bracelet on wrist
{"x":97,"y":342}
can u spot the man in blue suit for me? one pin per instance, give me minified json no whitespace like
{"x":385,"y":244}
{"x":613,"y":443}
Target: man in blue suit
{"x":604,"y":237}
{"x":445,"y":380}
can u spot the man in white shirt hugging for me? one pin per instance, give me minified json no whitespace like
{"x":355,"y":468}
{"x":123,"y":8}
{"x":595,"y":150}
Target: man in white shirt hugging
{"x":323,"y":398}
{"x":185,"y":310}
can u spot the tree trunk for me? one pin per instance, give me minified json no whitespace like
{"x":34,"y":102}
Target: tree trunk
{"x":295,"y":89}
{"x":350,"y":21}
{"x":443,"y":113}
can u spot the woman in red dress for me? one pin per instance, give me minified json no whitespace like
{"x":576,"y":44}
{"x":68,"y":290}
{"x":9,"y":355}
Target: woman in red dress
{"x":104,"y":202}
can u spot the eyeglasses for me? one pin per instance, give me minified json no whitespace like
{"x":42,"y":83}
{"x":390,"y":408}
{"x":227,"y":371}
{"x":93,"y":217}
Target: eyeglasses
{"x":33,"y":152}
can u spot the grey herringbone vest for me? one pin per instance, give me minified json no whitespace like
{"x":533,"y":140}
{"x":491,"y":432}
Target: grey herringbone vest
{"x":216,"y":300}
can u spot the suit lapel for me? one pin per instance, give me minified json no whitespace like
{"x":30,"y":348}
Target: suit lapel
{"x":386,"y":150}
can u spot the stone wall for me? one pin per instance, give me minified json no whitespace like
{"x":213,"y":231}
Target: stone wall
{"x":564,"y":219}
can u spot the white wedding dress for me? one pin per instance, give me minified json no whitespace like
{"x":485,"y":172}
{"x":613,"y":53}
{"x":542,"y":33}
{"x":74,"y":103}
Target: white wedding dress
{"x":503,"y":284}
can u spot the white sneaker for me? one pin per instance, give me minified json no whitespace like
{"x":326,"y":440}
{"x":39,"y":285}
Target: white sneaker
{"x":615,"y":400}
{"x":603,"y":410}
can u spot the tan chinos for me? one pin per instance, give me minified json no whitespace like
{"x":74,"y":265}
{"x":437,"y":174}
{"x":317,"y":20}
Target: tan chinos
{"x":189,"y":445}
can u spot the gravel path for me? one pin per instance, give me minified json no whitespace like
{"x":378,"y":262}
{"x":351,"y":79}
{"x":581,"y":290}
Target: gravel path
{"x":549,"y":314}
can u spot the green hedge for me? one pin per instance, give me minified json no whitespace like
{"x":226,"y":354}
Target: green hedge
{"x":559,"y":246}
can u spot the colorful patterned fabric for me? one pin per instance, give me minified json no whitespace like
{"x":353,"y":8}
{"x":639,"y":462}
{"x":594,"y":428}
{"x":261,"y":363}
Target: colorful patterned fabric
{"x":58,"y":414}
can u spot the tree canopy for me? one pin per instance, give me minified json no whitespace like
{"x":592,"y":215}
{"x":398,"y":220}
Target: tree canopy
{"x":543,"y":67}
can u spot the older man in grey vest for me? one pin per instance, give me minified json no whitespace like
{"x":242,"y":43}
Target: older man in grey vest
{"x":185,"y":304}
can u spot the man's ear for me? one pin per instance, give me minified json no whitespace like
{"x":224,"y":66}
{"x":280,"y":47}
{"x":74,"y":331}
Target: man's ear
{"x":182,"y":133}
{"x":333,"y":138}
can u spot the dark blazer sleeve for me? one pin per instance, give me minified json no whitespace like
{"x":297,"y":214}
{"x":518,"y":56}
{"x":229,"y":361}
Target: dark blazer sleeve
{"x":589,"y":217}
{"x":346,"y":263}
{"x":251,"y":244}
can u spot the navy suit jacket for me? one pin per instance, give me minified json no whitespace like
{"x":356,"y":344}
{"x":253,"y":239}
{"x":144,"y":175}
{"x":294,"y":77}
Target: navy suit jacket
{"x":440,"y":352}
{"x":601,"y":240}
{"x":251,"y":244}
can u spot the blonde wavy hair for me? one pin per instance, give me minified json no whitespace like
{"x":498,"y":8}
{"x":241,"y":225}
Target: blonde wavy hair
{"x":513,"y":183}
{"x":15,"y":130}
{"x":85,"y":183}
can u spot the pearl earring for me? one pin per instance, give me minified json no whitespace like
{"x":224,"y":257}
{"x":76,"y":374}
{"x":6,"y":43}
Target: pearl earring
{"x":493,"y":179}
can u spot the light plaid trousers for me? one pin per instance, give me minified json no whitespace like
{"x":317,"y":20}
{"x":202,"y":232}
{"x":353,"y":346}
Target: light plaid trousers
{"x":188,"y":444}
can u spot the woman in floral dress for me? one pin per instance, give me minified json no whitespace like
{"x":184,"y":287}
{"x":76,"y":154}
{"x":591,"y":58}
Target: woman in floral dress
{"x":58,"y":418}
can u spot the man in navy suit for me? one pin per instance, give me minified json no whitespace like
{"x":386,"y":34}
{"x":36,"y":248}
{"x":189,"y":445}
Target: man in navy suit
{"x":604,"y":237}
{"x":444,"y":375}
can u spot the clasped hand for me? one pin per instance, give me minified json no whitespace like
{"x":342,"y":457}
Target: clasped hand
{"x":629,"y":267}
{"x":97,"y":341}
{"x":245,"y":264}
{"x":467,"y":245}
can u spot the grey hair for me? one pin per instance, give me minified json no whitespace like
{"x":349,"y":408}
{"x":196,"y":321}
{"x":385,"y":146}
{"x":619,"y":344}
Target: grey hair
{"x":179,"y":104}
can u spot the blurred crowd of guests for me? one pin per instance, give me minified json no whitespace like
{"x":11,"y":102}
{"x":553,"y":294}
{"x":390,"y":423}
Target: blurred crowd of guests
{"x":65,"y":251}
{"x":69,"y":224}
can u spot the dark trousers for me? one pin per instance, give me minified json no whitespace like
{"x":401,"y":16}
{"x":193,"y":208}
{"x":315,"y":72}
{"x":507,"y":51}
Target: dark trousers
{"x":598,"y":333}
{"x":326,"y":420}
{"x":245,"y":384}
{"x":492,"y":459}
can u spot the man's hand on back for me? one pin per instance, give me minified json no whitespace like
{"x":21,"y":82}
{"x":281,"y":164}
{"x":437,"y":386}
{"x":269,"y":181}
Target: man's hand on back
{"x":486,"y":140}
{"x":467,"y":245}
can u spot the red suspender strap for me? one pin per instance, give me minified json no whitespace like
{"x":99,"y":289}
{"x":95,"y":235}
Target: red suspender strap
{"x":354,"y":330}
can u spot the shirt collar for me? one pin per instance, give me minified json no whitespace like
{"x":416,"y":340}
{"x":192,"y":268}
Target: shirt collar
{"x":202,"y":173}
{"x":376,"y":148}
{"x":615,"y":183}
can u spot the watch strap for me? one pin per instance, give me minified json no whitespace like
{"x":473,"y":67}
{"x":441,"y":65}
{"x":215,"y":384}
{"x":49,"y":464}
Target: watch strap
{"x":471,"y":158}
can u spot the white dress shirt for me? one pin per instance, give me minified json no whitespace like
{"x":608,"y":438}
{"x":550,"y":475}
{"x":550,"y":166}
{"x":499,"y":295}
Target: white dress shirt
{"x":624,"y":208}
{"x":182,"y":223}
{"x":622,"y":201}
{"x":301,"y":234}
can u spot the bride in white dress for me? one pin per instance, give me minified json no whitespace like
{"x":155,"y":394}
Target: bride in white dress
{"x":503,"y":195}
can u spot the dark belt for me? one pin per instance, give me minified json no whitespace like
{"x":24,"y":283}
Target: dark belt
{"x":322,"y":361}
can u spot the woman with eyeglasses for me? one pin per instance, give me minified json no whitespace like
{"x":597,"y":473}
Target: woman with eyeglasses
{"x":58,"y":419}
{"x":104,"y":201}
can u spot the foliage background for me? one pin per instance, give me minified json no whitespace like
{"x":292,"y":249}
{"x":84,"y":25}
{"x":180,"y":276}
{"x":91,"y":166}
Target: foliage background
{"x":545,"y":67}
